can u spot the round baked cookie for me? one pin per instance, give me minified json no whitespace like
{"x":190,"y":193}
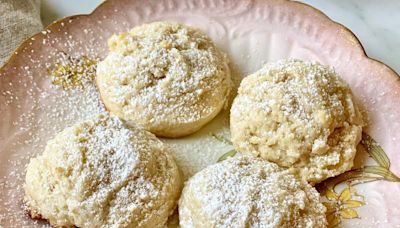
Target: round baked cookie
{"x":249,"y":192}
{"x":99,"y":173}
{"x":167,"y":77}
{"x":297,"y":114}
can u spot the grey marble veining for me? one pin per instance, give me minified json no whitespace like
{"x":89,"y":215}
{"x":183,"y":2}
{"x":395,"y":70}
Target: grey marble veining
{"x":375,"y":22}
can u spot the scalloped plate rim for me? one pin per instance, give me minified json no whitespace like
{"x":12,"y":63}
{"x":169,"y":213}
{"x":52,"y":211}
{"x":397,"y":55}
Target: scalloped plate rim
{"x":361,"y":48}
{"x":389,"y":75}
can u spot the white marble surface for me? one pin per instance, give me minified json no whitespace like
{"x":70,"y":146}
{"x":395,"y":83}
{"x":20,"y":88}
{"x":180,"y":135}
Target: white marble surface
{"x":375,"y":22}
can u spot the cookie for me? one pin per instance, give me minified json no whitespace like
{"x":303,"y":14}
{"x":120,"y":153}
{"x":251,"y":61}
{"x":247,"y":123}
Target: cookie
{"x":169,"y":78}
{"x":297,"y":114}
{"x":249,"y":192}
{"x":99,"y":173}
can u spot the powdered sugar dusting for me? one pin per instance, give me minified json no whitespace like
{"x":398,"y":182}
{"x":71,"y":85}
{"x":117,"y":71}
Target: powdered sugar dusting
{"x":298,"y":114}
{"x":34,"y":111}
{"x":249,"y":192}
{"x":104,"y":171}
{"x":164,"y":76}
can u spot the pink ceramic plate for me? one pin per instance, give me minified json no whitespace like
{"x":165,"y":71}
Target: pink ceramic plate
{"x":252,"y":32}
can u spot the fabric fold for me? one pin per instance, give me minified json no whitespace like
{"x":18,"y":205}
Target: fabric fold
{"x":19,"y":19}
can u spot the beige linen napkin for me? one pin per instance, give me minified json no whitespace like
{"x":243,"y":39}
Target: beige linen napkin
{"x":19,"y":19}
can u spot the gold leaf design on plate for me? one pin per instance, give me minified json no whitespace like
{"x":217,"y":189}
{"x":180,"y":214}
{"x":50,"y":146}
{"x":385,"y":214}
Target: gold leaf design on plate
{"x":226,"y":141}
{"x":375,"y":150}
{"x":348,"y":213}
{"x":345,"y":195}
{"x":333,"y":221}
{"x":353,"y":203}
{"x":228,"y":154}
{"x":381,"y":171}
{"x":331,"y":195}
{"x":222,"y":139}
{"x":341,"y":205}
